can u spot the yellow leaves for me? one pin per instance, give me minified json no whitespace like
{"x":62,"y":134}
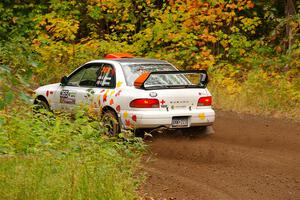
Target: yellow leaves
{"x":205,"y":53}
{"x":242,"y":51}
{"x":14,"y":20}
{"x":209,"y":38}
{"x":231,"y":6}
{"x":231,"y":86}
{"x":235,"y":29}
{"x":278,"y":49}
{"x":250,"y":24}
{"x":250,"y":4}
{"x":62,"y":28}
{"x":204,"y":59}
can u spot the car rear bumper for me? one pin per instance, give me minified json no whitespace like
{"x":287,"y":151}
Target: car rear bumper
{"x":154,"y":119}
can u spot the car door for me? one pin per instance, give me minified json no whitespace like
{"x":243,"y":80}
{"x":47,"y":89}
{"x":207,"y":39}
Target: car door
{"x":104,"y":92}
{"x":88,"y":86}
{"x":77,"y":88}
{"x":97,"y":87}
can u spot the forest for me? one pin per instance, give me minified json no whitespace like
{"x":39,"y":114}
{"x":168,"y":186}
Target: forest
{"x":250,"y":48}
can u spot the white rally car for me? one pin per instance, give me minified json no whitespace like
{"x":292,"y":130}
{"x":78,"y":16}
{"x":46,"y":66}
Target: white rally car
{"x":134,"y":93}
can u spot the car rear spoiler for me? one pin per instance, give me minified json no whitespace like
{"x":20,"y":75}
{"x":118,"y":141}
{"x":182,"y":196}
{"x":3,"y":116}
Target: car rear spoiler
{"x":203,"y":81}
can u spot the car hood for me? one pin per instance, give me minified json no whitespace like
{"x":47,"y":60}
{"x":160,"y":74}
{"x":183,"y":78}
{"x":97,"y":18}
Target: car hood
{"x":48,"y":87}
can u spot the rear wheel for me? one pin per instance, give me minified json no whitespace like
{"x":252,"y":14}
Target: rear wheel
{"x":111,"y":122}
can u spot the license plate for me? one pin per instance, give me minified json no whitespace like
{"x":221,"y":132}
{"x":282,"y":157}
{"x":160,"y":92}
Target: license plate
{"x":179,"y":122}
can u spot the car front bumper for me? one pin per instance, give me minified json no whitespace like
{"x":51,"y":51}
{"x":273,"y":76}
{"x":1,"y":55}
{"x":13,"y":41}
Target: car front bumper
{"x":155,"y":119}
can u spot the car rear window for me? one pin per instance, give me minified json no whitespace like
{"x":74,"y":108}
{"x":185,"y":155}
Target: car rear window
{"x":133,"y":71}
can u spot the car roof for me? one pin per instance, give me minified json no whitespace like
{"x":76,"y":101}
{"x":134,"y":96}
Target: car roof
{"x":139,"y":61}
{"x":134,"y":61}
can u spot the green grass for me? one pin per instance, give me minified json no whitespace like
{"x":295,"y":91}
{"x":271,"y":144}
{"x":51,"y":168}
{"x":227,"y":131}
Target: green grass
{"x":55,"y":157}
{"x":258,"y":94}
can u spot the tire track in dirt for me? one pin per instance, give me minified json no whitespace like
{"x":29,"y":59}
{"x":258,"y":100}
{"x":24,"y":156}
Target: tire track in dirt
{"x":247,"y":158}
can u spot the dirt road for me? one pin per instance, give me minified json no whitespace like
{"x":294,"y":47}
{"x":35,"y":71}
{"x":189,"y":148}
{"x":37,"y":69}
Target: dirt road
{"x":247,"y":158}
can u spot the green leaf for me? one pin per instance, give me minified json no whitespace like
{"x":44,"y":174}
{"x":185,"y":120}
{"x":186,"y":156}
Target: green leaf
{"x":8,"y":97}
{"x":2,"y":120}
{"x":24,"y":97}
{"x":2,"y":105}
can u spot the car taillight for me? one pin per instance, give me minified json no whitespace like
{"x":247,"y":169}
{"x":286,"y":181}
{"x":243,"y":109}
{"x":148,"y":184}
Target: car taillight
{"x":144,"y":103}
{"x":205,"y":101}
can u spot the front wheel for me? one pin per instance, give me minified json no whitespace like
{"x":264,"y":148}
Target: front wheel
{"x":40,"y":105}
{"x":111,"y":122}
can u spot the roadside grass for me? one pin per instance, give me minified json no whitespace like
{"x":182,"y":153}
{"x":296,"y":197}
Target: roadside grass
{"x":57,"y":157}
{"x":258,"y":94}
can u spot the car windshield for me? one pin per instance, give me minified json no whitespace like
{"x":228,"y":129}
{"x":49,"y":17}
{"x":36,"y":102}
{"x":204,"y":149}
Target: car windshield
{"x":133,"y":71}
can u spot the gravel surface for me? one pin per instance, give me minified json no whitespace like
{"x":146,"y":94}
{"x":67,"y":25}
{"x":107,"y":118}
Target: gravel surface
{"x":248,"y":157}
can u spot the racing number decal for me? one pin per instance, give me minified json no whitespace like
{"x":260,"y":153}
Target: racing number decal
{"x":67,"y":97}
{"x":105,"y":76}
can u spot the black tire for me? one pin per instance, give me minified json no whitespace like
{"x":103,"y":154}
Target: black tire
{"x":140,"y":132}
{"x":111,"y":122}
{"x":40,"y":105}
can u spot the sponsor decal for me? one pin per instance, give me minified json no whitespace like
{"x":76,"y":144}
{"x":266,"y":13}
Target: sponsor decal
{"x":105,"y":97}
{"x":133,"y":118}
{"x":118,"y":93}
{"x":111,"y":102}
{"x":112,"y":92}
{"x":201,"y":116}
{"x":162,"y":104}
{"x":119,"y":84}
{"x":125,"y":114}
{"x":127,"y":123}
{"x":105,"y":77}
{"x":49,"y":93}
{"x":118,"y":108}
{"x":67,"y":97}
{"x":176,"y":102}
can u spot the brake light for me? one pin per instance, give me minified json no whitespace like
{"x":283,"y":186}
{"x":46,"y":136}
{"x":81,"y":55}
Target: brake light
{"x":144,"y":103}
{"x":205,"y":101}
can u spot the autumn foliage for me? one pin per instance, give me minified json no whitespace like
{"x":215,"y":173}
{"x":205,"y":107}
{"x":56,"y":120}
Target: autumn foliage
{"x":242,"y":43}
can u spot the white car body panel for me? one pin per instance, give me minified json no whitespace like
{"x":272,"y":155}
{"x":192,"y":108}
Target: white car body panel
{"x":173,"y":102}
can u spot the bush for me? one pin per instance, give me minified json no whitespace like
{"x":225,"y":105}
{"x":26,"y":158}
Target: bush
{"x":57,"y":157}
{"x":256,"y":91}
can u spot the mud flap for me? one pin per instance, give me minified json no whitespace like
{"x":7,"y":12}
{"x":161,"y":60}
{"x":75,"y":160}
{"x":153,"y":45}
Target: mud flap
{"x":209,"y":130}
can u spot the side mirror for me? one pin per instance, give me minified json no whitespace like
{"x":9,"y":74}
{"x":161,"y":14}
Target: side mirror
{"x":64,"y":80}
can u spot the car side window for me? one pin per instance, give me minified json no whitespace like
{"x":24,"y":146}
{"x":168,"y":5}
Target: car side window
{"x":75,"y":78}
{"x":106,"y":77}
{"x":89,"y":77}
{"x":86,"y":76}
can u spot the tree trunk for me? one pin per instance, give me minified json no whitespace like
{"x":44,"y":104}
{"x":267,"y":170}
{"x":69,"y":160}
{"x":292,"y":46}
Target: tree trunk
{"x":289,"y":10}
